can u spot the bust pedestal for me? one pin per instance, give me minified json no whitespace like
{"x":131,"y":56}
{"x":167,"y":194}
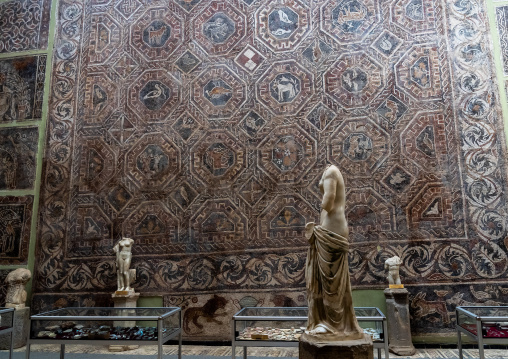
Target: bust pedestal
{"x":21,"y":324}
{"x":399,"y":328}
{"x":124,"y":299}
{"x":312,"y":348}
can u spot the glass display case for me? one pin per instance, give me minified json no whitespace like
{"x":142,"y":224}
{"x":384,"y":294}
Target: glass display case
{"x":486,"y":325}
{"x":96,"y":326}
{"x":282,"y":327}
{"x":7,"y":326}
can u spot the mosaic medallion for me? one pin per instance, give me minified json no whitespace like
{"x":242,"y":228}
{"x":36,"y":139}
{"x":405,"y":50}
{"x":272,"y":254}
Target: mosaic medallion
{"x":282,"y":27}
{"x":359,"y":147}
{"x":370,"y":213}
{"x":252,"y":123}
{"x":101,"y":96}
{"x":354,"y":80}
{"x":218,"y":92}
{"x":415,"y":16}
{"x":218,"y":158}
{"x":427,"y":146}
{"x":154,"y":95}
{"x":419,"y":73}
{"x":219,"y":28}
{"x":104,"y":39}
{"x":219,"y":224}
{"x":283,"y":220}
{"x":157,"y":34}
{"x":153,"y":162}
{"x":349,"y":21}
{"x":392,"y":109}
{"x":387,"y":43}
{"x":285,"y":87}
{"x":187,"y":62}
{"x":287,"y":154}
{"x":398,"y":179}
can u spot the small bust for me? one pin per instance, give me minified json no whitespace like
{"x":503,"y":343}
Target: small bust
{"x":392,"y":265}
{"x":16,"y":293}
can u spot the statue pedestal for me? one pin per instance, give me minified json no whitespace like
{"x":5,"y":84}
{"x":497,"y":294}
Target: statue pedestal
{"x":124,"y":299}
{"x":399,"y":328}
{"x":311,"y":348}
{"x":21,"y":325}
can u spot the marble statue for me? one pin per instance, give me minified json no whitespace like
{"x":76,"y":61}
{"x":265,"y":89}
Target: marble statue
{"x":16,"y":293}
{"x":123,"y":250}
{"x":392,"y":265}
{"x":331,"y":312}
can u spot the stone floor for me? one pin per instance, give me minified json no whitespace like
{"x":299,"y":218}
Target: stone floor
{"x":225,"y":351}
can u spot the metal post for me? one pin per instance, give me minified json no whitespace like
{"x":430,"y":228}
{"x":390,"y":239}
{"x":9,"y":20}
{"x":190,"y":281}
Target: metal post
{"x":480,"y":338}
{"x":62,"y":351}
{"x":385,"y":339}
{"x":459,"y":342}
{"x":12,"y":344}
{"x":27,"y":354}
{"x":159,"y":339}
{"x":180,"y":344}
{"x":233,"y":340}
{"x":244,"y":352}
{"x":379,"y":353}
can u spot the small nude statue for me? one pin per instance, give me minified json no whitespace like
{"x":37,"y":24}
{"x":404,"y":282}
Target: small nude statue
{"x":123,"y":261}
{"x":392,"y":265}
{"x":16,"y":293}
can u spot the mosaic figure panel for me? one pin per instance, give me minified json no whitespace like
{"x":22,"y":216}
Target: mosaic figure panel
{"x":18,"y":152}
{"x":21,"y":88}
{"x":15,"y":220}
{"x":201,"y":129}
{"x":24,"y":25}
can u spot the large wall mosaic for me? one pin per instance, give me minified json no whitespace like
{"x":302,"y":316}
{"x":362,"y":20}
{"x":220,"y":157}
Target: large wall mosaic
{"x":24,"y":25}
{"x":201,"y":129}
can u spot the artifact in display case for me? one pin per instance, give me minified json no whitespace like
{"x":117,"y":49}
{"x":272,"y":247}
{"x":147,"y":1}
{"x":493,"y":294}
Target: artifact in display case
{"x":485,"y":324}
{"x":100,"y":325}
{"x":261,"y":326}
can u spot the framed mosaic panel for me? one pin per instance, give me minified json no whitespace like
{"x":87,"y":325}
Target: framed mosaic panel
{"x":21,"y":88}
{"x":15,"y":221}
{"x":24,"y":25}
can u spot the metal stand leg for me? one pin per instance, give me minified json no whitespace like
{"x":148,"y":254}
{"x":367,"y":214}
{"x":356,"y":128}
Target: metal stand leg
{"x":27,"y":353}
{"x":62,"y":351}
{"x":378,"y":353}
{"x":244,"y":352}
{"x":459,"y":344}
{"x":12,"y":344}
{"x":159,"y":340}
{"x":385,"y":331}
{"x":480,"y":348}
{"x":180,"y":345}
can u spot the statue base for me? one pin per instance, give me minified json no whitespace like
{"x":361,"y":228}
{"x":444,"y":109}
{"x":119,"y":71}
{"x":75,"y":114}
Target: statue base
{"x":311,"y":348}
{"x":396,"y":286}
{"x":124,"y":299}
{"x":399,"y":328}
{"x":21,"y":326}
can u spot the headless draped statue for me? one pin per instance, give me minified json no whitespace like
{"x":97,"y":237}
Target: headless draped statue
{"x":331,"y":312}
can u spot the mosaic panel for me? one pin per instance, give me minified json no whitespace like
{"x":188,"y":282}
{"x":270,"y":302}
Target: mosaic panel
{"x":18,"y":156}
{"x":21,"y":88}
{"x":24,"y":25}
{"x":502,"y":30}
{"x":15,"y":221}
{"x":205,"y":136}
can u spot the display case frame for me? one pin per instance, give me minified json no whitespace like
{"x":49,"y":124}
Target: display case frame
{"x":53,"y":316}
{"x":9,"y":329}
{"x":240,"y":316}
{"x":479,"y":320}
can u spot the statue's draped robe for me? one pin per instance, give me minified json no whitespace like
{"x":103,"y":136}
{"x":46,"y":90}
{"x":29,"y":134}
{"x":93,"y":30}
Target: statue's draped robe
{"x":328,"y":284}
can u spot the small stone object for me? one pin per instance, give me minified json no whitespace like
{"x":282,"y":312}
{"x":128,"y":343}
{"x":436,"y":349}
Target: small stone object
{"x":67,"y":325}
{"x":52,"y":327}
{"x":16,"y":293}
